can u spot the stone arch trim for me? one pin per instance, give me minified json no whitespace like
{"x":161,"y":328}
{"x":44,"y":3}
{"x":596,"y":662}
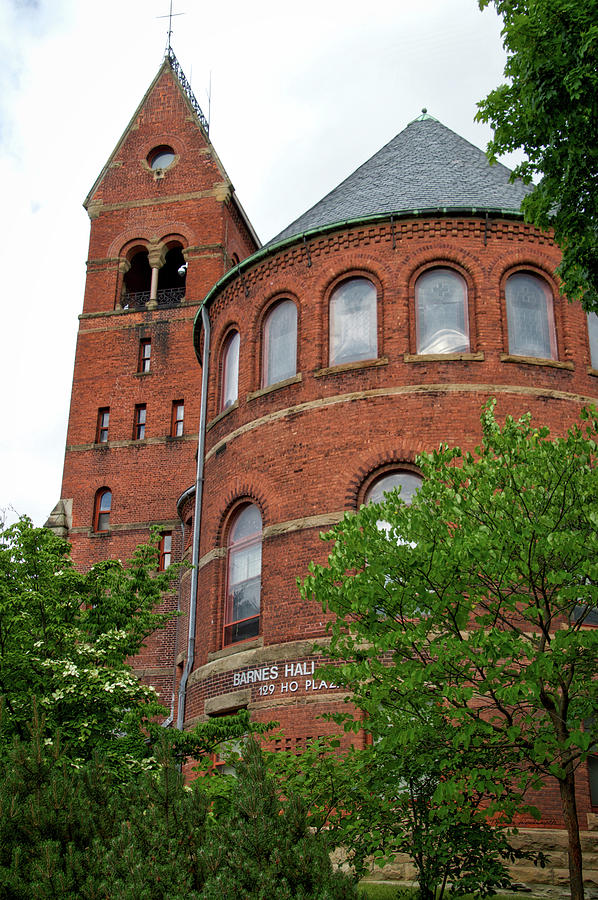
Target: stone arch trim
{"x":240,"y":494}
{"x":170,"y":230}
{"x":402,"y":457}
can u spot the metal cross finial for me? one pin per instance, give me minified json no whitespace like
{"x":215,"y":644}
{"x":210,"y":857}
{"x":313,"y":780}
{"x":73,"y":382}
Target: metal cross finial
{"x":170,"y":18}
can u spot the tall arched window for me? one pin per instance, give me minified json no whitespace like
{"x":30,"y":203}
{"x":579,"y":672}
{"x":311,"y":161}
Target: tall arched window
{"x":593,"y":338}
{"x":353,"y":328}
{"x":530,"y":317}
{"x":441,"y":312}
{"x":244,"y":570}
{"x":102,"y":509}
{"x":230,"y":371}
{"x":280,"y":343}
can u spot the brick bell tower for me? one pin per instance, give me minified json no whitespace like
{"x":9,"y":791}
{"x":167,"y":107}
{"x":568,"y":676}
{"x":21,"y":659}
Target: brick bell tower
{"x":165,"y":226}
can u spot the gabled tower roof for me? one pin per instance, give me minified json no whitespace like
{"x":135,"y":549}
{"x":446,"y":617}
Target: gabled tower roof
{"x":425,"y":167}
{"x":191,"y":115}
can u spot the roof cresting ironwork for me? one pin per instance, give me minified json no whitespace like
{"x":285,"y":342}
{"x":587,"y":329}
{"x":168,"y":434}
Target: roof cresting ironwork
{"x":178,"y":71}
{"x":176,"y":68}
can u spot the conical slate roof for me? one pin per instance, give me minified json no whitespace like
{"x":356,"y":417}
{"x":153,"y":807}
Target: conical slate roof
{"x":425,"y":167}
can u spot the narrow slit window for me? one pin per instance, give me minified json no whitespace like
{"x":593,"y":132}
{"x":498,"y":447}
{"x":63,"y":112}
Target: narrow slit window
{"x":178,"y":418}
{"x":102,"y":425}
{"x":145,"y":355}
{"x":230,"y":371}
{"x":593,"y":338}
{"x":139,"y":422}
{"x":165,"y":550}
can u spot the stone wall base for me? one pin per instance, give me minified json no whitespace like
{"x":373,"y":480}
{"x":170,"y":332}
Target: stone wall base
{"x":552,"y":881}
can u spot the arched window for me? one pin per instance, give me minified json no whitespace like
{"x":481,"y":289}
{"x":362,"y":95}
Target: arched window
{"x":230,"y":371}
{"x":530,"y":317}
{"x":441,"y":312}
{"x":353,"y":329}
{"x":409,"y":482}
{"x":593,"y":338}
{"x":103,"y":507}
{"x":280,"y":343}
{"x":244,"y":570}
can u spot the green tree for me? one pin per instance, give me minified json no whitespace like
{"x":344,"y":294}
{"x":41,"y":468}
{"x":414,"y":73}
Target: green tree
{"x":79,"y":831}
{"x":265,"y":846}
{"x":65,"y":638}
{"x":474,"y":599}
{"x":549,"y":109}
{"x":408,"y":792}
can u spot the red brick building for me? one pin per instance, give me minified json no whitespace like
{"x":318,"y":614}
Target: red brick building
{"x":372,"y":328}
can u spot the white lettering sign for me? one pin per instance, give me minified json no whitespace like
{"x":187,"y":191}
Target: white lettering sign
{"x":291,"y":671}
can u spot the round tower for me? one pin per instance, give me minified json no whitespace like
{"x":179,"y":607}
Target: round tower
{"x":372,"y":328}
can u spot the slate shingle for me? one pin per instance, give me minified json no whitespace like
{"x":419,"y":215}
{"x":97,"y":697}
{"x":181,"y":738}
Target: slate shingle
{"x":426,"y":166}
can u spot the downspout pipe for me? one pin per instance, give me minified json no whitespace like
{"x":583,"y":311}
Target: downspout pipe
{"x":201,"y":443}
{"x":168,"y":722}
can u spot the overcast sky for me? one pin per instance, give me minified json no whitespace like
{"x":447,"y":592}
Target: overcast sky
{"x":301,"y":94}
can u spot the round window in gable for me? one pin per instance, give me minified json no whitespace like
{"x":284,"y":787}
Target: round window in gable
{"x":161,"y":157}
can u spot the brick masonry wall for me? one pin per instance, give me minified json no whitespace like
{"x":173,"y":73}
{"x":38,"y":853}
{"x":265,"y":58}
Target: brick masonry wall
{"x":303,"y":451}
{"x":131,"y":208}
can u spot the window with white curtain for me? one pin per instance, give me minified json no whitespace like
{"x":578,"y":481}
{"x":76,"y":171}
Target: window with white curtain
{"x":280,"y":343}
{"x":441,"y":312}
{"x":530,"y":317}
{"x":353,"y":328}
{"x":230,"y":371}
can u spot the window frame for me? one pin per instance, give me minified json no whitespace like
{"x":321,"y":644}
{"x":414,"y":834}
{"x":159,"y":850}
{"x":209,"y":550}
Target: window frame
{"x":267,"y":341}
{"x":232,"y":335}
{"x":176,"y":419}
{"x":549,"y":308}
{"x":139,"y":421}
{"x":102,"y":425}
{"x":145,"y":356}
{"x":100,"y":511}
{"x":333,"y":301}
{"x":234,"y":547}
{"x":429,"y":270}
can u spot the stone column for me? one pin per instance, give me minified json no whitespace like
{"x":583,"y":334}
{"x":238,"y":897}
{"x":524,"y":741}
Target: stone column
{"x":156,"y":256}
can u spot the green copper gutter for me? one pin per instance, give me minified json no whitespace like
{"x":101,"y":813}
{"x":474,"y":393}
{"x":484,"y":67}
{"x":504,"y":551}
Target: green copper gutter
{"x":271,"y":249}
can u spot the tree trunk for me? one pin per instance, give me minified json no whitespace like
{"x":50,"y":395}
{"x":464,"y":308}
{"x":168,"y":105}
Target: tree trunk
{"x":569,"y":807}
